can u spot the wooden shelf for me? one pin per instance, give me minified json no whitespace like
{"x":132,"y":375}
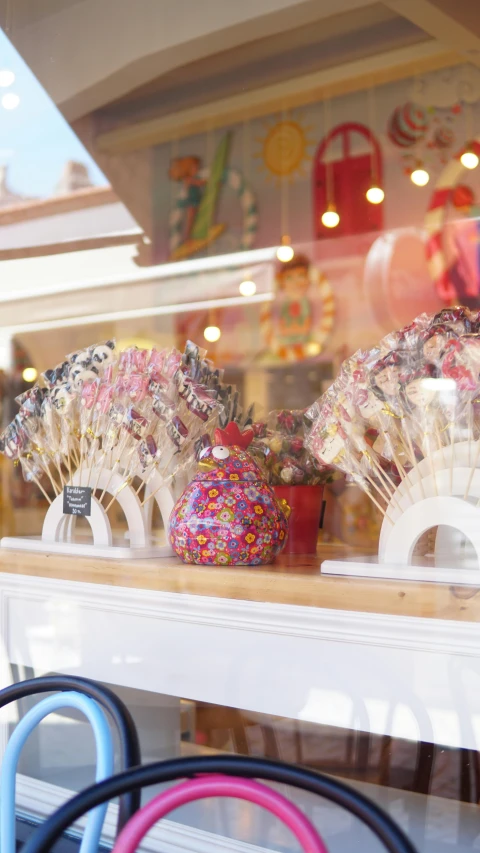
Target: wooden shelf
{"x":292,"y":581}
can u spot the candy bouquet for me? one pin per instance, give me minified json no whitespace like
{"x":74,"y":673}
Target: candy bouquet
{"x":406,"y":412}
{"x":296,"y":476}
{"x":134,"y":414}
{"x":279,"y":446}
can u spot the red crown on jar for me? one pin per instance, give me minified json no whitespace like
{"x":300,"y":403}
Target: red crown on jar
{"x":232,"y":436}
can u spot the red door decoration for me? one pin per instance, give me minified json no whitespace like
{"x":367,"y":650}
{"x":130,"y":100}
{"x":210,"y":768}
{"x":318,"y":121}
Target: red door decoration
{"x":350,"y":178}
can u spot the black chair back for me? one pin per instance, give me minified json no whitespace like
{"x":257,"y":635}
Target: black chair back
{"x":386,"y":830}
{"x":123,"y":721}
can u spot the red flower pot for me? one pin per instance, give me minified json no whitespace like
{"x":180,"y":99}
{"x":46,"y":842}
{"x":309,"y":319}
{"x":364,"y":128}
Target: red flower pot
{"x":305,"y":503}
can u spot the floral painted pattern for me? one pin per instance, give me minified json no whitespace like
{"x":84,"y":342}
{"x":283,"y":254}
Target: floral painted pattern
{"x":228,"y":515}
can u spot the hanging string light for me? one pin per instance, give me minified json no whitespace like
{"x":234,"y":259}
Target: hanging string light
{"x":330,"y":217}
{"x":469,"y":158}
{"x":420,"y":176}
{"x":285,"y":252}
{"x":247,"y":286}
{"x":375,"y":193}
{"x":212,"y":331}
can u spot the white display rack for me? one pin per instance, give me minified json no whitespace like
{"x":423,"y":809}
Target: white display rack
{"x":441,"y":493}
{"x":59,"y":534}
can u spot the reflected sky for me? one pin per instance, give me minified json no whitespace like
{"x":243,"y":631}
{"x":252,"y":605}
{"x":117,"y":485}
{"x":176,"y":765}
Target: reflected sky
{"x":35,"y":139}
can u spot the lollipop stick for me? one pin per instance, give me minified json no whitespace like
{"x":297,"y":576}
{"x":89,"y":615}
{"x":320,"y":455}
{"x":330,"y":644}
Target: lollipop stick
{"x":117,"y":492}
{"x":382,"y":510}
{"x":413,"y":461}
{"x":452,"y":453}
{"x":377,"y":488}
{"x":46,"y":468}
{"x":99,"y":474}
{"x":381,"y":473}
{"x":36,"y":480}
{"x":115,"y":467}
{"x":430,"y":462}
{"x":57,"y":466}
{"x":472,"y":471}
{"x":112,"y":472}
{"x":68,"y":463}
{"x":151,"y":495}
{"x":470,"y":431}
{"x":440,"y":443}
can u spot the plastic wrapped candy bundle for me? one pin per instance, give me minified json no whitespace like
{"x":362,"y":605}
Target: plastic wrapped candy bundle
{"x":408,"y":405}
{"x":280,"y":448}
{"x":199,"y":369}
{"x":137,"y":413}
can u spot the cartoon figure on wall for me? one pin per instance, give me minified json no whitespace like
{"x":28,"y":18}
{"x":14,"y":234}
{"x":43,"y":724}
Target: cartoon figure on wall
{"x":453,"y":226}
{"x":192,"y":225}
{"x":297,"y":323}
{"x":186,"y":170}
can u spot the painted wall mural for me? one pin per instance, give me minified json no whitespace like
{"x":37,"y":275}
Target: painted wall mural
{"x":298,"y":322}
{"x":285,"y":148}
{"x":245,"y":185}
{"x":192,"y":219}
{"x":344,"y":181}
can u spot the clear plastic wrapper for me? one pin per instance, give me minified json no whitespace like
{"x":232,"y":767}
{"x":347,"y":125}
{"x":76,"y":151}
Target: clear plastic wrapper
{"x":134,"y":413}
{"x":403,"y":406}
{"x":279,"y":447}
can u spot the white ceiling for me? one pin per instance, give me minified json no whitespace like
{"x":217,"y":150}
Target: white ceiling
{"x":89,"y":53}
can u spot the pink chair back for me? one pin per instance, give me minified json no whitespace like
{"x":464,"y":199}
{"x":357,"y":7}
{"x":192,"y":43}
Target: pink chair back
{"x":219,"y":786}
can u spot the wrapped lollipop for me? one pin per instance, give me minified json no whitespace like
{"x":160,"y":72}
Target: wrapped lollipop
{"x":459,"y":320}
{"x":279,"y":447}
{"x":132,"y":414}
{"x":15,"y":444}
{"x":435,"y":342}
{"x":201,"y":370}
{"x":395,"y":414}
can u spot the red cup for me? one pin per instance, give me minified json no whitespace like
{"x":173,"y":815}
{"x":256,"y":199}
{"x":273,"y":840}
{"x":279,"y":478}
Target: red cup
{"x":306,"y":504}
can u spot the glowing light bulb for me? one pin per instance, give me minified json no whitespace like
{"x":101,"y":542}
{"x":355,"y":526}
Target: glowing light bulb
{"x":10,"y":101}
{"x":247,"y":287}
{"x":375,"y":195}
{"x":469,"y":159}
{"x":285,"y":252}
{"x":212,"y":334}
{"x":7,"y":77}
{"x":330,"y":218}
{"x":29,"y":374}
{"x":420,"y":176}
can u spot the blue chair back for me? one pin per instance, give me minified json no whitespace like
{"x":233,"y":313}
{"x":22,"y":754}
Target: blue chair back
{"x":105,"y":751}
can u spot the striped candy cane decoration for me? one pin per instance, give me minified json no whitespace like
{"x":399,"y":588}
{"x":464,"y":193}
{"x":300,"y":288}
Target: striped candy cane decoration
{"x":435,"y":221}
{"x":234,"y":180}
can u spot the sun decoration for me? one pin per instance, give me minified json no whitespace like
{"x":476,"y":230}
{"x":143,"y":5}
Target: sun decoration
{"x":284,"y":149}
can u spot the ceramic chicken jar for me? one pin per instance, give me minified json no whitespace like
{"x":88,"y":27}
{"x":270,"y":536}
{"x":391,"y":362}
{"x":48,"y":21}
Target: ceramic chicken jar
{"x":228,"y":515}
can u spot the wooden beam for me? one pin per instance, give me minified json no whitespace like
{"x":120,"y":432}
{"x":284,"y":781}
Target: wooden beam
{"x":310,"y":88}
{"x":81,"y":245}
{"x":40,"y":208}
{"x":455,"y":23}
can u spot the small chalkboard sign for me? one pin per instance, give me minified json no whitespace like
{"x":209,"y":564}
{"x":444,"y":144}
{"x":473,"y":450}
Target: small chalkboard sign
{"x":77,"y":500}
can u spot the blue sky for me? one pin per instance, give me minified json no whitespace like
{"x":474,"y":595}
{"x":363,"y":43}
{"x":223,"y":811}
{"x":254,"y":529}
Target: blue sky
{"x":35,"y":140}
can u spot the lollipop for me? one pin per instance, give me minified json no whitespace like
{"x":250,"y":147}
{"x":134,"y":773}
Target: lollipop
{"x":405,"y":406}
{"x":131,"y":414}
